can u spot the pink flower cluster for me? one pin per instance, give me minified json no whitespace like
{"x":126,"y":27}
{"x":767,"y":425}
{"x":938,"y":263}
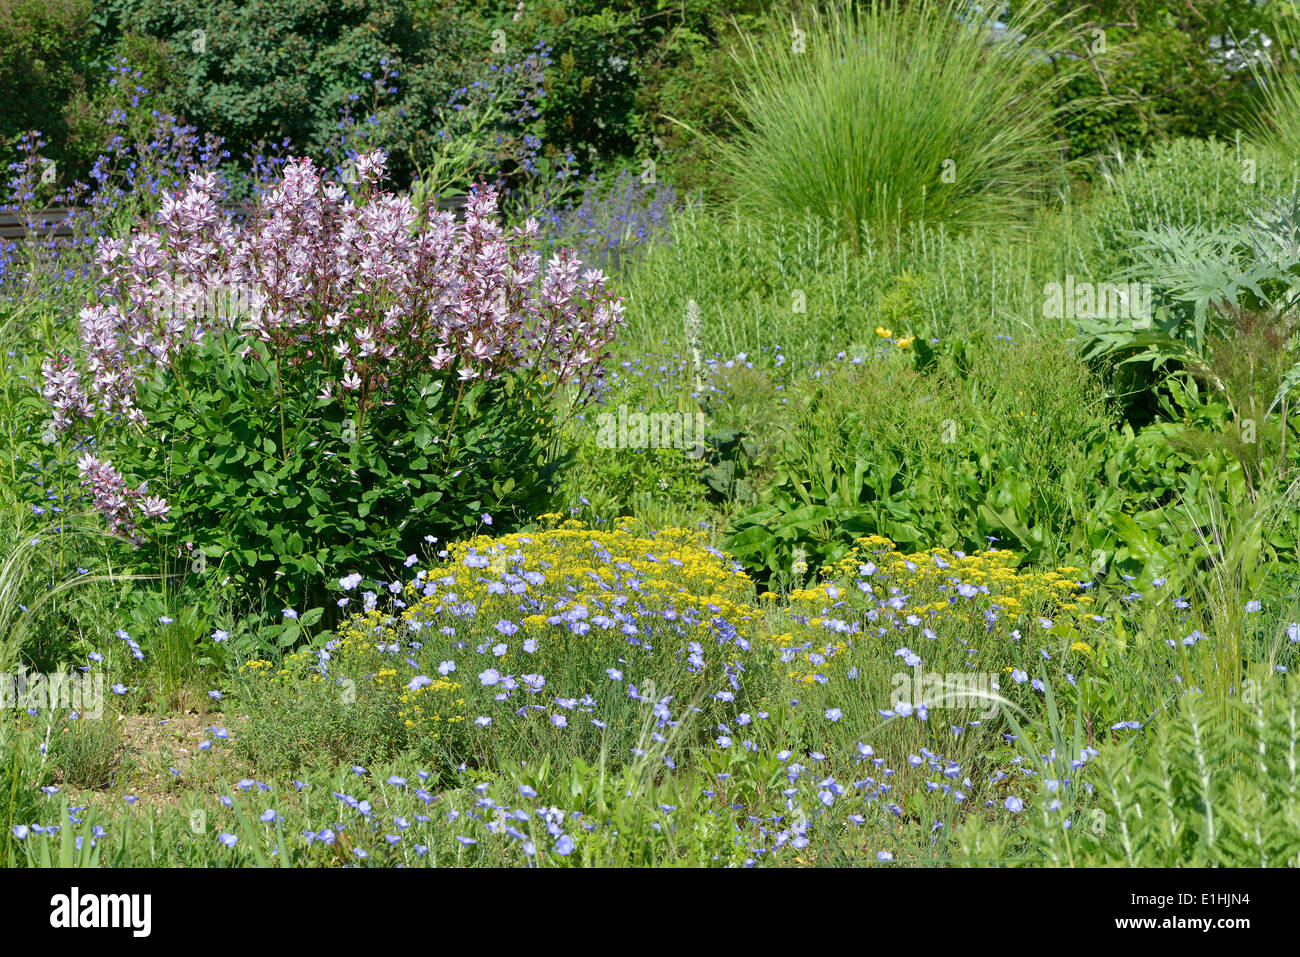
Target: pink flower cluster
{"x":62,"y":389}
{"x":117,"y":502}
{"x":384,"y":289}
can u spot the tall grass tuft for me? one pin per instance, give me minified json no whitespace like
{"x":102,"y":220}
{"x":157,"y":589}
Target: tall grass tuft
{"x":1274,"y":125}
{"x":881,"y":117}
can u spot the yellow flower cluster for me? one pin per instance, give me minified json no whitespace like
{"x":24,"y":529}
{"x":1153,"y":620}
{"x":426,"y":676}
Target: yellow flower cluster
{"x":563,"y":566}
{"x":1014,"y":591}
{"x":997,"y":599}
{"x":583,"y":563}
{"x":475,"y":594}
{"x":427,"y":707}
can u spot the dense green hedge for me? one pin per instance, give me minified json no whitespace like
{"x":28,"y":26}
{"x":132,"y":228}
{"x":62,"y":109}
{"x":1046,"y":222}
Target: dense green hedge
{"x":45,"y":46}
{"x":267,"y":69}
{"x":1159,"y":70}
{"x":619,"y":74}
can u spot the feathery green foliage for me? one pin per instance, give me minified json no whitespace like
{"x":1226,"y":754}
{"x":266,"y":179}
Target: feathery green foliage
{"x":1214,"y":783}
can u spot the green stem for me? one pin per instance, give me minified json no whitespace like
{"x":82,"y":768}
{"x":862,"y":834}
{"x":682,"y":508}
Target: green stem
{"x":279,"y":391}
{"x":355,"y":451}
{"x":185,"y":390}
{"x":451,"y":426}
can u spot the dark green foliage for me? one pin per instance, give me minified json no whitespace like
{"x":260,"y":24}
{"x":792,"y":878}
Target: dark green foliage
{"x":1158,"y":70}
{"x":44,"y":48}
{"x":944,"y":449}
{"x":279,"y":492}
{"x":620,"y":73}
{"x":265,"y":70}
{"x":693,"y":80}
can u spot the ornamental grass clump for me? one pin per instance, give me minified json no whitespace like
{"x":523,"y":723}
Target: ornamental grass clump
{"x":891,"y":115}
{"x":331,"y":382}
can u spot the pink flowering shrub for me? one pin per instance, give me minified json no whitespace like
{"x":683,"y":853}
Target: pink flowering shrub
{"x":330,"y":382}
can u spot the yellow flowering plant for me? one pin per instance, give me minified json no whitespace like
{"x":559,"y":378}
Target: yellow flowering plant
{"x":571,"y":632}
{"x":980,"y":602}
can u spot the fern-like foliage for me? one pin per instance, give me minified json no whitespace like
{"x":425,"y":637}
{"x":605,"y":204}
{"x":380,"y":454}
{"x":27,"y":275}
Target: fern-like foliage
{"x":1213,"y":784}
{"x":1206,"y":282}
